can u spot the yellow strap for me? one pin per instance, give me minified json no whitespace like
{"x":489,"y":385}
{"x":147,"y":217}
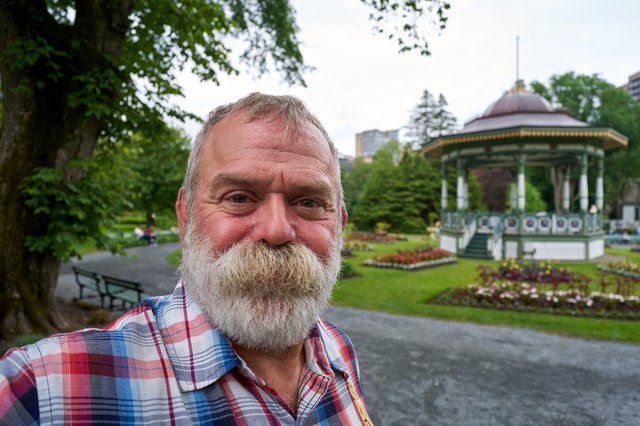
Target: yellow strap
{"x":359,"y":406}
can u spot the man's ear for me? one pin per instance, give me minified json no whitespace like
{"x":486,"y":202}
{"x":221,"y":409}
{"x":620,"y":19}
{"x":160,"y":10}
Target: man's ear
{"x":345,"y":216}
{"x":181,"y":212}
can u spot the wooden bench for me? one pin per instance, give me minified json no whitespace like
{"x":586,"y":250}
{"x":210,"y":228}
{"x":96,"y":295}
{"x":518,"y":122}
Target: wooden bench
{"x":531,"y":254}
{"x":90,"y":280}
{"x":128,"y":292}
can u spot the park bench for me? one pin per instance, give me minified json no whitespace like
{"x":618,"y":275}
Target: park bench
{"x":90,"y":280}
{"x":530,"y":254}
{"x":128,"y":292}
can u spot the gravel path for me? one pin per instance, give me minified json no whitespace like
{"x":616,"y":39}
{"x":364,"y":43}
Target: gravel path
{"x":418,"y":371}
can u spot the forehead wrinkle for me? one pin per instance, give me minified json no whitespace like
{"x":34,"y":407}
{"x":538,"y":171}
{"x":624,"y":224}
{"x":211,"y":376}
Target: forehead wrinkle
{"x":235,"y":180}
{"x":316,"y":188}
{"x":293,"y":135}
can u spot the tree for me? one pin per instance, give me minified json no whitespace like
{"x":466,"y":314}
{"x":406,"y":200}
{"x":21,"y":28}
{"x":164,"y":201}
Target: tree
{"x":379,"y":193}
{"x":430,"y":120}
{"x":158,"y":167}
{"x":72,"y":71}
{"x":598,"y":102}
{"x":533,"y":202}
{"x":494,"y":184}
{"x":354,"y":182}
{"x":405,"y":194}
{"x":420,"y":191}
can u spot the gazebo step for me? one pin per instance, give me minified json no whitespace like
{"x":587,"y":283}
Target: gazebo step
{"x":477,"y":247}
{"x":475,"y":256}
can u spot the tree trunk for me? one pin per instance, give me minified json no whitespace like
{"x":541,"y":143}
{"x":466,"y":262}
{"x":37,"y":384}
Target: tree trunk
{"x":33,"y":135}
{"x":557,"y":180}
{"x":41,"y":127}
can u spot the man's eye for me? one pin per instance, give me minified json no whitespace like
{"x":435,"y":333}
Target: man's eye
{"x":239,"y":198}
{"x":309,"y":203}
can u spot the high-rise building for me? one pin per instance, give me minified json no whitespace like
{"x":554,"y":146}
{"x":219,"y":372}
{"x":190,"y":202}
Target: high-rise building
{"x":369,"y":141}
{"x":345,"y":162}
{"x":633,"y":86}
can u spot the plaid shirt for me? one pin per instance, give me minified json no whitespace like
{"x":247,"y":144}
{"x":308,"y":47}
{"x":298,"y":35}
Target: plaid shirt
{"x":163,"y":363}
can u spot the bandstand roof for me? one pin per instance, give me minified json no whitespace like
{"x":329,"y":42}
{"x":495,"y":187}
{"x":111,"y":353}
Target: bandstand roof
{"x":520,"y":117}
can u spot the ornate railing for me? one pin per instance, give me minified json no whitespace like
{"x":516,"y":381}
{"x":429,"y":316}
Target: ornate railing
{"x":532,"y":223}
{"x":470,"y":226}
{"x":455,"y":220}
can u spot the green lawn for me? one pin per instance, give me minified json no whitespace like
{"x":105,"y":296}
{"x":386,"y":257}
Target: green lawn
{"x":403,"y":292}
{"x":173,"y":258}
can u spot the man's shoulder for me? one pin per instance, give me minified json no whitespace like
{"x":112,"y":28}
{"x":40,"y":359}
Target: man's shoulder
{"x":137,"y":327}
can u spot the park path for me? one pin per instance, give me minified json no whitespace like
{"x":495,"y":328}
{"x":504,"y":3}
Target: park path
{"x":420,"y":371}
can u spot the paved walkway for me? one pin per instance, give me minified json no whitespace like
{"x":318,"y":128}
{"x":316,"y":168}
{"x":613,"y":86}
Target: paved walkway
{"x":418,"y":371}
{"x":145,"y":264}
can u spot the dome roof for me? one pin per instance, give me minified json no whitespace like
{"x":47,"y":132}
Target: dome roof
{"x":518,"y":101}
{"x":522,"y":117}
{"x":517,"y":108}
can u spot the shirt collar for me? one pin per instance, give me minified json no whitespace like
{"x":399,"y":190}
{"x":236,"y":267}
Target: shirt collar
{"x":331,"y":347}
{"x":201,"y":355}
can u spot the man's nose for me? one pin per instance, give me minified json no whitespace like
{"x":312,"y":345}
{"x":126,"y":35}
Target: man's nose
{"x":274,"y":227}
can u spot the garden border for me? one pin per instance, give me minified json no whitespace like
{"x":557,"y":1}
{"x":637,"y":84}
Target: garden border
{"x":411,"y":266}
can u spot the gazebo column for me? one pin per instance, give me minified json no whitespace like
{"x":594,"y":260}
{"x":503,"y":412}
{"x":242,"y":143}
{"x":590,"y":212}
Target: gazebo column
{"x":521,"y":186}
{"x":460,"y":186}
{"x":600,"y":186}
{"x":584,"y":192}
{"x":466,"y":190}
{"x":521,"y":202}
{"x":566,"y":196}
{"x":513,"y":201}
{"x":584,"y":184}
{"x":443,"y":188}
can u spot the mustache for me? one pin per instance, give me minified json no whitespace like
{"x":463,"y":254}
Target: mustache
{"x":262,"y":270}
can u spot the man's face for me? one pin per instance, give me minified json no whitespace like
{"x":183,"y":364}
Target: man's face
{"x":262,"y":246}
{"x":255,"y":184}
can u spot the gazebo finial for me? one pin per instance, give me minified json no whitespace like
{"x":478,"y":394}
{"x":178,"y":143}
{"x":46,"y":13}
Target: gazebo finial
{"x":518,"y":87}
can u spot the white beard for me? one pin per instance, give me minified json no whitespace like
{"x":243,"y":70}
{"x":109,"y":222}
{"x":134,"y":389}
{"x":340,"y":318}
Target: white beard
{"x":260,"y":297}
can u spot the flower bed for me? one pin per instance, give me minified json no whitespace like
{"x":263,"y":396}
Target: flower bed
{"x":531,"y":272}
{"x":545,"y":287}
{"x":412,"y":260}
{"x":523,"y":296}
{"x":374,"y":238}
{"x":357,"y":246}
{"x":624,"y":267}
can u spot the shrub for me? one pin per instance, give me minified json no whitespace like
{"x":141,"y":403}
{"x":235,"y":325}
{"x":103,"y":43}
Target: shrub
{"x":347,"y":270}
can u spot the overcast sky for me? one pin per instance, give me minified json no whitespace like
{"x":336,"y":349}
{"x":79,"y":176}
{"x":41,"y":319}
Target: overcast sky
{"x":362,"y":83}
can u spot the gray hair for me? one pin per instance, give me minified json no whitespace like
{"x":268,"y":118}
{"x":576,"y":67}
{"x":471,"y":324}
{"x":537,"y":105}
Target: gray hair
{"x":258,"y":106}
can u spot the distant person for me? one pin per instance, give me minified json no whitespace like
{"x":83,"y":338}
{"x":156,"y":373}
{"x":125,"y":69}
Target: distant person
{"x":626,"y":238}
{"x":151,"y":219}
{"x":138,"y":232}
{"x":149,"y":235}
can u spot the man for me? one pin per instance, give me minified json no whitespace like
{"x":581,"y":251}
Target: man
{"x":240,"y":340}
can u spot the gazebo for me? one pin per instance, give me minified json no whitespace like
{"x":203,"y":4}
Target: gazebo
{"x":517,"y":131}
